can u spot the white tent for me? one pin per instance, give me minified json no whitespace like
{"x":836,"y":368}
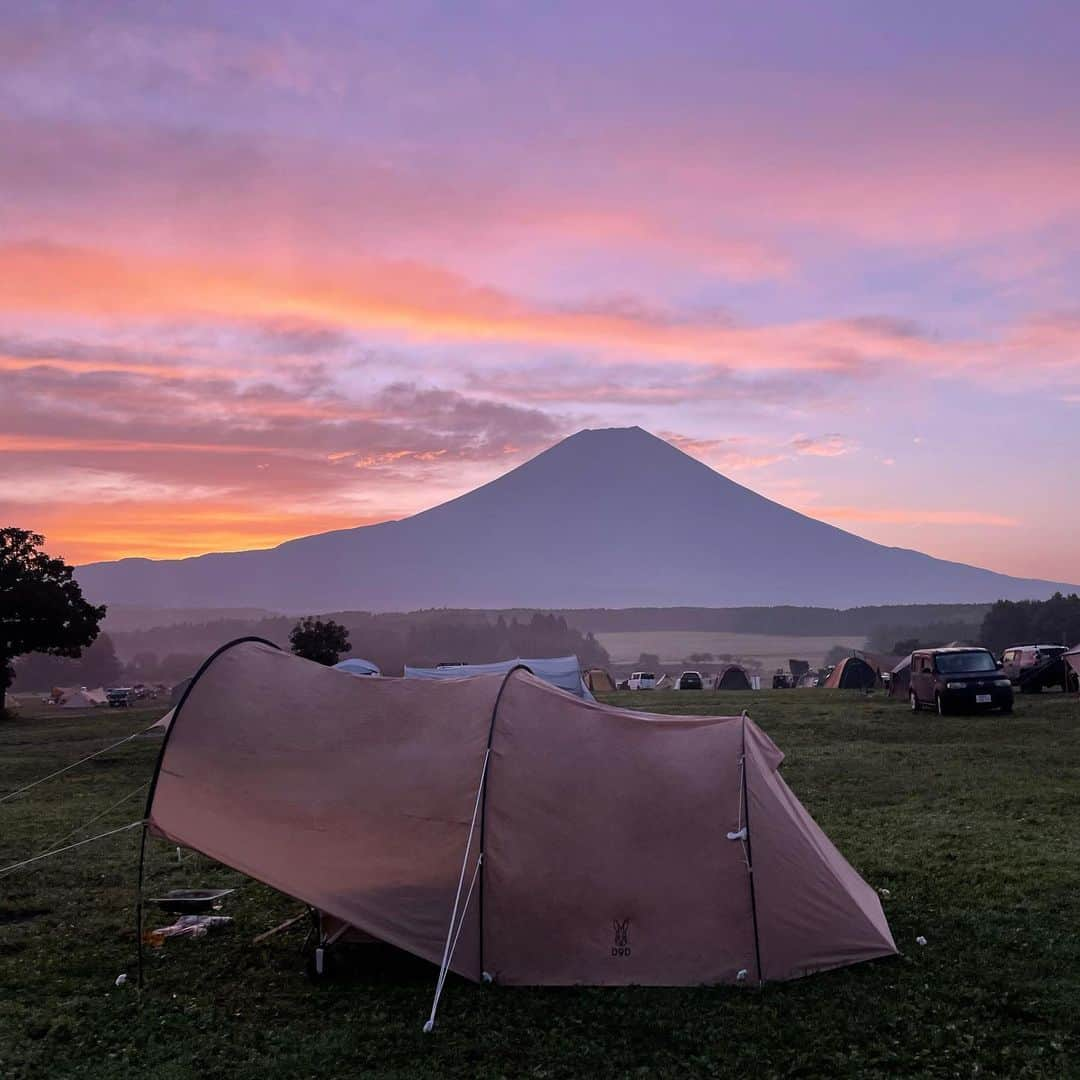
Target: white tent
{"x":561,"y":671}
{"x":83,"y":699}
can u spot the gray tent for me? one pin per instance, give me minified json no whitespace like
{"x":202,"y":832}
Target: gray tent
{"x":561,"y":671}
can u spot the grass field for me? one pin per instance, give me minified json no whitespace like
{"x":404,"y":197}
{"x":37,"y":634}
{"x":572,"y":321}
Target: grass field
{"x":673,"y":646}
{"x":972,"y":824}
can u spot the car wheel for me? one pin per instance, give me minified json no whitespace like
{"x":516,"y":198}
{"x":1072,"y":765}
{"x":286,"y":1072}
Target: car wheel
{"x":940,"y":705}
{"x":914,"y":701}
{"x":1005,"y":709}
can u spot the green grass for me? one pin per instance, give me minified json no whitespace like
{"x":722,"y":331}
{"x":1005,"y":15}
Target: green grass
{"x":972,"y":824}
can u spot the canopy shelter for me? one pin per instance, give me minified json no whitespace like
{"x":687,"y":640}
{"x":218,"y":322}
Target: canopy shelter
{"x":900,"y":678}
{"x":355,"y":665}
{"x":733,"y":677}
{"x":599,"y":680}
{"x":852,"y":673}
{"x":496,"y":826}
{"x":798,"y":668}
{"x":1072,"y":658}
{"x":561,"y":671}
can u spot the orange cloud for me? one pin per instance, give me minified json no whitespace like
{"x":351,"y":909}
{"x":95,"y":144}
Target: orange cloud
{"x":180,"y":529}
{"x":425,"y":304}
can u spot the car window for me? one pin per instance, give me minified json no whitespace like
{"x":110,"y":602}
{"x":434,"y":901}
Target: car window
{"x":957,"y":663}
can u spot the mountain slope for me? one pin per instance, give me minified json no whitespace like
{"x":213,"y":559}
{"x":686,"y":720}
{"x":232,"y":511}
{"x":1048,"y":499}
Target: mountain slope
{"x":608,"y":518}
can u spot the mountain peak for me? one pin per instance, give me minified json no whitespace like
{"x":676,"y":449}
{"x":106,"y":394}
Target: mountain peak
{"x":608,"y":517}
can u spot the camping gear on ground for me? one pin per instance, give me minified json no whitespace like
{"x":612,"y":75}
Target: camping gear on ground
{"x":504,"y":830}
{"x":190,"y":901}
{"x":356,"y":665}
{"x":561,"y":671}
{"x":852,"y":673}
{"x":186,"y":926}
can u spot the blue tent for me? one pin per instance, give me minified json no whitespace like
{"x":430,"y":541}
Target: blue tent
{"x":561,"y":671}
{"x":356,"y":666}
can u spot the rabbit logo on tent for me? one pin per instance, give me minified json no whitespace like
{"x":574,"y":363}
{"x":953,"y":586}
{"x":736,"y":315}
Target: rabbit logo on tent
{"x":622,"y":930}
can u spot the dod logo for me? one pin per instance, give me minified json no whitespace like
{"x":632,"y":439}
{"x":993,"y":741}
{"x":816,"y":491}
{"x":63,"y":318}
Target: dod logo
{"x":622,"y":930}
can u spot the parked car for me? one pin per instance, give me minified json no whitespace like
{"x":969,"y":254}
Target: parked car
{"x":120,"y":697}
{"x":1034,"y":667}
{"x":689,"y":680}
{"x":641,"y":680}
{"x":958,"y":680}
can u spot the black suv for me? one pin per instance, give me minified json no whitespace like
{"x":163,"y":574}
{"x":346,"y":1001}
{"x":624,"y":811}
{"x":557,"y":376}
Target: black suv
{"x":954,"y":680}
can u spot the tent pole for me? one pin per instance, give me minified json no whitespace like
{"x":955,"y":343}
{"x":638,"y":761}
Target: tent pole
{"x":139,"y":906}
{"x":147,"y":813}
{"x":483,"y":815}
{"x":750,"y":857}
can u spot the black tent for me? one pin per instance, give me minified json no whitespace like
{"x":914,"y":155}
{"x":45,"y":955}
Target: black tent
{"x":733,"y":677}
{"x":852,"y":674}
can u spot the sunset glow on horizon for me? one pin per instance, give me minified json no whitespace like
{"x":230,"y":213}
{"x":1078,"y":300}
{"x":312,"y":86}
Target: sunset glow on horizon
{"x":262,"y":278}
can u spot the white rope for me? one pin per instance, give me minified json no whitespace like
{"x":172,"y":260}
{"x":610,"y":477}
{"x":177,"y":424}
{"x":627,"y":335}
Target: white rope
{"x":59,"y":851}
{"x":452,"y":935}
{"x":98,"y":817}
{"x":74,"y":764}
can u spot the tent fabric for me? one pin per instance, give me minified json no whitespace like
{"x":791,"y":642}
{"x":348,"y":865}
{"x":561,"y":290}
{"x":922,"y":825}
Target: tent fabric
{"x":599,"y":680}
{"x":561,"y":671}
{"x":852,"y":673}
{"x":733,"y":677}
{"x":356,"y":796}
{"x":355,"y":665}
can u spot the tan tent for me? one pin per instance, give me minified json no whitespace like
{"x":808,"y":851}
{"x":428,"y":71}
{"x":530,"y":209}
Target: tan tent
{"x":82,"y":698}
{"x":599,"y":681}
{"x":496,"y":825}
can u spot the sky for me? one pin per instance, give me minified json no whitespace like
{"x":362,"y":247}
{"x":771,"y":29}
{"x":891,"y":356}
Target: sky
{"x":264,"y":277}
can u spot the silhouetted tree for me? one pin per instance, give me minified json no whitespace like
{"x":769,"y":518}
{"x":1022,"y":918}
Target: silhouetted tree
{"x":42,"y":608}
{"x":320,"y":640}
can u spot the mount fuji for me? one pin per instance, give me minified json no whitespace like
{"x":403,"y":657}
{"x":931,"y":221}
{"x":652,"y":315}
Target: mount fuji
{"x":606,"y":518}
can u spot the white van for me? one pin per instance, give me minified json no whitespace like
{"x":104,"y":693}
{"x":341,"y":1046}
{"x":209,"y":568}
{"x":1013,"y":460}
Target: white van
{"x":641,"y":680}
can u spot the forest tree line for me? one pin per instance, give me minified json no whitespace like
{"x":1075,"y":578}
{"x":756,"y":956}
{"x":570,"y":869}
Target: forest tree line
{"x":171,"y":653}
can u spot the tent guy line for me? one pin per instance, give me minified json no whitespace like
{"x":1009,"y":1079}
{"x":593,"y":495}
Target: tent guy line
{"x":75,"y":764}
{"x":5,"y":870}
